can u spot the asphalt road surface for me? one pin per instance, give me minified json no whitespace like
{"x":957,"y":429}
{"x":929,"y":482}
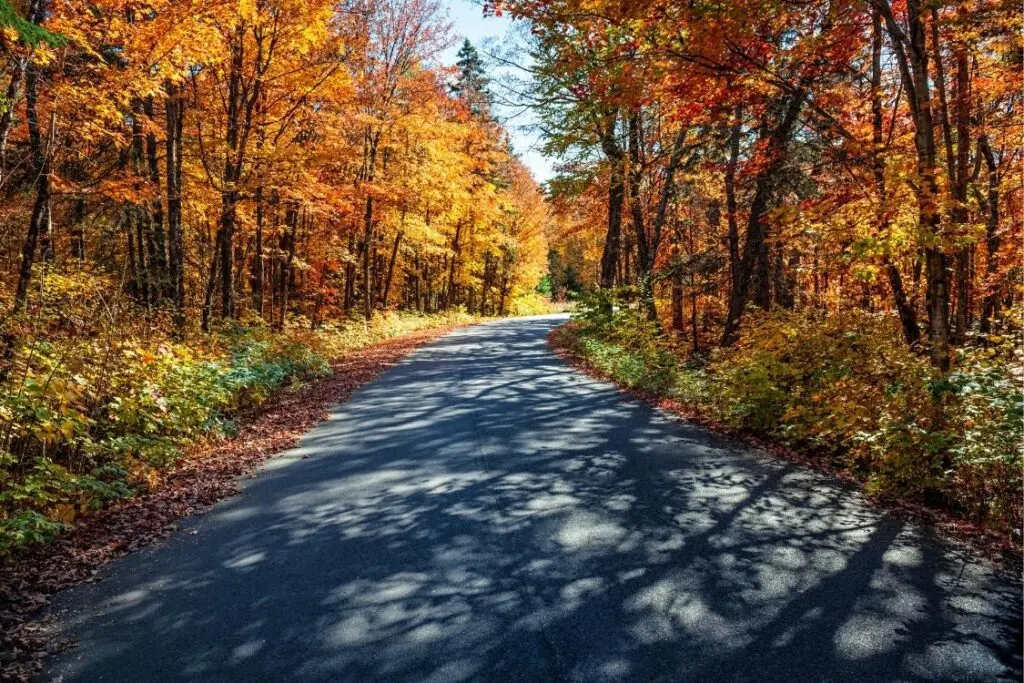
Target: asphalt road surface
{"x":482,"y":512}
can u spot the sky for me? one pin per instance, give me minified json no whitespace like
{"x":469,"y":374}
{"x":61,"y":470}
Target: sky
{"x":468,"y":21}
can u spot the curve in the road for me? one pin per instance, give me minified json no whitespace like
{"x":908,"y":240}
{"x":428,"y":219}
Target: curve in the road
{"x":484,"y":512}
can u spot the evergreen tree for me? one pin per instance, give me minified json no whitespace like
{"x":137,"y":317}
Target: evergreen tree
{"x":472,"y":84}
{"x":28,"y":31}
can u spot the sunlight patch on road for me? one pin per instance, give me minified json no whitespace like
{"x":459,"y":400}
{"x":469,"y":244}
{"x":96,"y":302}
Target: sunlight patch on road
{"x":588,"y":531}
{"x":245,"y":561}
{"x":866,"y":635}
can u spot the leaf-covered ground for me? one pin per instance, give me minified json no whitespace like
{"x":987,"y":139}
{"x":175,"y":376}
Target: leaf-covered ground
{"x":202,"y":477}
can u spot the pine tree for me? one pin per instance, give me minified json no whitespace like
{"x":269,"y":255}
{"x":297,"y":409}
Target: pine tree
{"x":472,"y":83}
{"x":29,"y":32}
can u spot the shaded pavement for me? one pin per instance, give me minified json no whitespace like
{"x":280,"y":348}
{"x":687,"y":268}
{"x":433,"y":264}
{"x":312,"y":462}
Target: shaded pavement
{"x":484,"y":512}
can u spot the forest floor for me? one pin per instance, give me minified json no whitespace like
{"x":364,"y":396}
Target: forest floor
{"x":483,"y":511}
{"x":204,"y":475}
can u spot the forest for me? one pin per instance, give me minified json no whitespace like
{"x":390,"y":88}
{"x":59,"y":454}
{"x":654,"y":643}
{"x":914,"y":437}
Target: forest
{"x":802,"y":220}
{"x":798,"y":220}
{"x":795,"y":224}
{"x":203,"y":201}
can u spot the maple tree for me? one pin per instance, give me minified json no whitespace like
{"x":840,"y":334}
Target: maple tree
{"x":800,"y":118}
{"x":753,"y":173}
{"x":214,"y":198}
{"x":252,"y":145}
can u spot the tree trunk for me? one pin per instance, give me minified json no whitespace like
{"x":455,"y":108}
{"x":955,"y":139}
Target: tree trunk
{"x":428,"y":287}
{"x":505,"y":288}
{"x":369,"y":169}
{"x":229,"y":201}
{"x":286,"y":273}
{"x":490,"y":263}
{"x":694,"y":321}
{"x":958,"y":214}
{"x":134,"y":286}
{"x":173,"y":157}
{"x":257,"y":273}
{"x":648,"y":245}
{"x":39,"y":220}
{"x":156,"y":208}
{"x":730,"y":200}
{"x":755,"y":248}
{"x":451,"y":293}
{"x":915,"y":75}
{"x":7,"y":118}
{"x":77,"y":229}
{"x":677,"y":294}
{"x":904,"y":308}
{"x":956,"y":172}
{"x":635,"y":176}
{"x":990,"y":307}
{"x":211,"y":283}
{"x":368,"y":238}
{"x":391,"y":269}
{"x":139,"y":210}
{"x":143,"y":256}
{"x":232,"y":173}
{"x":677,"y":279}
{"x":616,"y":199}
{"x":350,"y":275}
{"x":783,"y":284}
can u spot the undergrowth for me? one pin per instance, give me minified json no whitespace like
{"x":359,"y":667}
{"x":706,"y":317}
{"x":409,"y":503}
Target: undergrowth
{"x":97,"y":402}
{"x":842,"y":387}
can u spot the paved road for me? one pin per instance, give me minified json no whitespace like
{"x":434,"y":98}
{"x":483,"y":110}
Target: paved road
{"x":483,"y":512}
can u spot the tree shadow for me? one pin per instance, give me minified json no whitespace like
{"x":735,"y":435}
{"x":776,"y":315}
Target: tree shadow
{"x":482,"y":512}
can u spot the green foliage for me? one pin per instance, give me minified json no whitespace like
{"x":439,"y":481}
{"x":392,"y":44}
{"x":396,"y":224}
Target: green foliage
{"x":471,"y":83}
{"x":564,"y":267}
{"x":987,"y":416}
{"x":28,"y":526}
{"x":622,"y":343}
{"x":30,"y":33}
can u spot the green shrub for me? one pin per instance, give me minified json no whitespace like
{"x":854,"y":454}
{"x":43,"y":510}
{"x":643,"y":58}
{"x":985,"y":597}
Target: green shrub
{"x":26,"y":526}
{"x":987,"y":417}
{"x":625,"y":345}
